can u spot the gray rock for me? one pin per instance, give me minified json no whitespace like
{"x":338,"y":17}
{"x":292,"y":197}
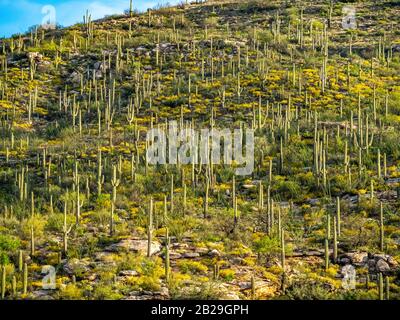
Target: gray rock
{"x":358,"y":258}
{"x":392,"y":262}
{"x":164,"y":292}
{"x":180,"y":245}
{"x":76,"y":267}
{"x":236,"y":261}
{"x":174,"y":255}
{"x":214,"y":253}
{"x":313,"y":253}
{"x":135,"y":245}
{"x":297,"y":254}
{"x":382,"y":266}
{"x":231,"y":296}
{"x":41,"y":295}
{"x":244,"y":285}
{"x":129,"y":273}
{"x":201,"y":251}
{"x":140,"y":297}
{"x":380,"y":256}
{"x":74,"y":77}
{"x":191,"y":255}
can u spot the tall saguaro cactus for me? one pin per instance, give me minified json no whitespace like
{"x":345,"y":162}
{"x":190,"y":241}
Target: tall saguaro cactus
{"x":115,"y":183}
{"x":167,"y":260}
{"x":65,"y":230}
{"x":381,"y":229}
{"x":150,"y":228}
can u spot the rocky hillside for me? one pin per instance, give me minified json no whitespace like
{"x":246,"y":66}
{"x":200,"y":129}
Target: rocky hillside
{"x":83,"y":215}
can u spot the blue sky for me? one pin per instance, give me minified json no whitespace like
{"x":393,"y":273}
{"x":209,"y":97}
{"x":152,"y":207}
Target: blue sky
{"x":16,"y":16}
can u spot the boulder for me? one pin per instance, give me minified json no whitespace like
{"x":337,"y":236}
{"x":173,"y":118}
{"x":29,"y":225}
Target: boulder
{"x":135,"y":245}
{"x":74,"y":77}
{"x":178,"y":245}
{"x":214,"y":253}
{"x":236,"y":261}
{"x":76,"y":267}
{"x":392,"y":262}
{"x":191,"y":255}
{"x":174,"y":255}
{"x":201,"y":251}
{"x":41,"y":295}
{"x":382,"y":266}
{"x":128,"y":273}
{"x":358,"y":258}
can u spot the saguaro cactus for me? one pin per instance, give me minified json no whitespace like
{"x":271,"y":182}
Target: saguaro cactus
{"x":335,"y":249}
{"x":66,"y":230}
{"x":32,"y":242}
{"x":150,"y":228}
{"x":206,"y":194}
{"x":115,"y":183}
{"x":326,"y":254}
{"x":338,"y":215}
{"x":20,"y":261}
{"x":283,"y":260}
{"x":99,"y":172}
{"x":3,"y":282}
{"x":25,"y":280}
{"x":130,"y":8}
{"x":380,"y":286}
{"x":167,"y":261}
{"x":172,"y":194}
{"x":112,"y":219}
{"x":387,"y":288}
{"x":216,"y":271}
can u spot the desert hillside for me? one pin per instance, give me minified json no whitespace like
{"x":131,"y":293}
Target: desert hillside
{"x":85,"y":215}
